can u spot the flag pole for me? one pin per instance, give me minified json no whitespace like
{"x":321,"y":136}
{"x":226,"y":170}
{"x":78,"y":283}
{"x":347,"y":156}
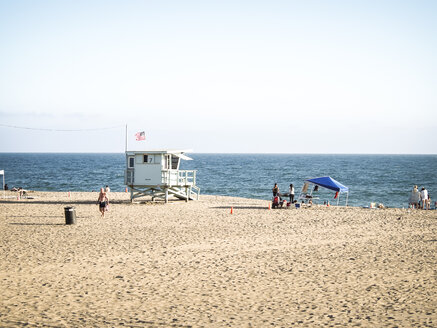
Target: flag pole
{"x":125,"y":147}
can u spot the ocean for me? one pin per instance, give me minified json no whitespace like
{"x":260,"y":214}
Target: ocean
{"x":386,"y":179}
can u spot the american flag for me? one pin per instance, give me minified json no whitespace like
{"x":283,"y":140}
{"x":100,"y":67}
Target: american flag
{"x":140,"y":135}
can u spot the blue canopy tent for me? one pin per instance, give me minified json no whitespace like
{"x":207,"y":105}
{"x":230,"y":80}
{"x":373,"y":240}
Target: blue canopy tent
{"x":330,"y":183}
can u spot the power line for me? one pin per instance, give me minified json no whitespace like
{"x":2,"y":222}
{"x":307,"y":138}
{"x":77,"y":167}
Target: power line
{"x":61,"y":130}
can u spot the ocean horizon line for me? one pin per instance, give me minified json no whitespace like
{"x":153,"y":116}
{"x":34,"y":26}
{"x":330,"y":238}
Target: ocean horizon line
{"x":224,"y":153}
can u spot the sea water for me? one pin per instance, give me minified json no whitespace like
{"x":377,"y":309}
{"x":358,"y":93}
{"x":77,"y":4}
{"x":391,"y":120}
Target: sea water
{"x":386,"y":179}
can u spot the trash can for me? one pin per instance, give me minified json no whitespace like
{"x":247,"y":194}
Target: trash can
{"x":70,"y":215}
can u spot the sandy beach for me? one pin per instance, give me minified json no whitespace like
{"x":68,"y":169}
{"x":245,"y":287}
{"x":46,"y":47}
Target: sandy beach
{"x":196,"y":265}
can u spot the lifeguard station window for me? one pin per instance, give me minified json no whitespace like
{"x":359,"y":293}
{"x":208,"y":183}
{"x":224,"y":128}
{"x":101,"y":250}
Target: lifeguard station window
{"x":147,"y":159}
{"x":131,"y":163}
{"x":130,"y":177}
{"x":174,"y":162}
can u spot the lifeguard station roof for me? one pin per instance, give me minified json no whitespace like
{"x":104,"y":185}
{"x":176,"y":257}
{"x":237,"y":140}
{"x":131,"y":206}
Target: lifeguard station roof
{"x":178,"y":152}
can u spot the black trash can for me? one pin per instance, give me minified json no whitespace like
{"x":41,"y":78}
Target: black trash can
{"x":70,"y":215}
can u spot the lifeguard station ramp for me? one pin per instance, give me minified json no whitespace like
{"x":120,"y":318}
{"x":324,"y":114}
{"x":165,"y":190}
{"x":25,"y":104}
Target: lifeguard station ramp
{"x":156,"y":173}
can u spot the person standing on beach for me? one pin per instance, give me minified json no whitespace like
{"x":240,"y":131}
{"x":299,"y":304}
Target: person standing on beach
{"x":291,"y":191}
{"x":415,"y":197}
{"x":103,"y":202}
{"x":423,"y":198}
{"x":428,"y":202}
{"x":275,"y":190}
{"x":107,"y":189}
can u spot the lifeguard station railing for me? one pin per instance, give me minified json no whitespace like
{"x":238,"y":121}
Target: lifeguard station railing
{"x":179,"y":177}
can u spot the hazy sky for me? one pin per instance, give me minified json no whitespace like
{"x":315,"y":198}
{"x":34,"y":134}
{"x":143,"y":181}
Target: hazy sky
{"x":219,"y":76}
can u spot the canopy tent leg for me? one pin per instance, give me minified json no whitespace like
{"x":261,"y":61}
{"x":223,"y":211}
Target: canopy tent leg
{"x":338,"y":198}
{"x":347,"y":196}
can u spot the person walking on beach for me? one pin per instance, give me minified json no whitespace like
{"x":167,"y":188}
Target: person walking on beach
{"x":423,"y":198}
{"x":103,"y":202}
{"x":275,"y":190}
{"x":107,"y":189}
{"x":291,"y":192}
{"x":414,"y":198}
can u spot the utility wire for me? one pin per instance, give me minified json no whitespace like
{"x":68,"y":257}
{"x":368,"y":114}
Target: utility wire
{"x":61,"y":130}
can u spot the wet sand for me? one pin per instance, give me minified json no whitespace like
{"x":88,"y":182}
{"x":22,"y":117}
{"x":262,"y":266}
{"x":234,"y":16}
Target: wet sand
{"x":196,"y":265}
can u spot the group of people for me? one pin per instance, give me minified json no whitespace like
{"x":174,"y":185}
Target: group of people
{"x":103,"y":200}
{"x":420,"y":199}
{"x":20,"y":190}
{"x":290,"y":192}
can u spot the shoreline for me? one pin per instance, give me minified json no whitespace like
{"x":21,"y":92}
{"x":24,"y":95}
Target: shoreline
{"x":196,"y":264}
{"x":32,"y":194}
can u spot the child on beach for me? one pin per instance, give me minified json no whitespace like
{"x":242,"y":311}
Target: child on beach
{"x":103,"y":202}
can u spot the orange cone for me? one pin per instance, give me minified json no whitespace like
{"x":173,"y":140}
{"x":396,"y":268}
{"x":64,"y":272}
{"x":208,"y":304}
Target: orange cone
{"x":126,"y":189}
{"x":269,"y":205}
{"x":232,"y":210}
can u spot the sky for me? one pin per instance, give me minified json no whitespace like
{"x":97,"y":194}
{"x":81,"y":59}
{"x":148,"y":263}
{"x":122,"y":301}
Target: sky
{"x":219,"y":76}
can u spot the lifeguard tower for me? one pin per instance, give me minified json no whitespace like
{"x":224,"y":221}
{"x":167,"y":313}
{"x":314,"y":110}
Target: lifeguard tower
{"x":156,"y":173}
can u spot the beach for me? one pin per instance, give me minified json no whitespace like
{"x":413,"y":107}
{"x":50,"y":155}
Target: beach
{"x":194,"y":264}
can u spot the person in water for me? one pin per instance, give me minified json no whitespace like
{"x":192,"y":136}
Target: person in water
{"x":103,"y":202}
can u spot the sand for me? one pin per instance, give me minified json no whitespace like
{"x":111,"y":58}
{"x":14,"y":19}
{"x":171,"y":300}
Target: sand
{"x":196,"y":265}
